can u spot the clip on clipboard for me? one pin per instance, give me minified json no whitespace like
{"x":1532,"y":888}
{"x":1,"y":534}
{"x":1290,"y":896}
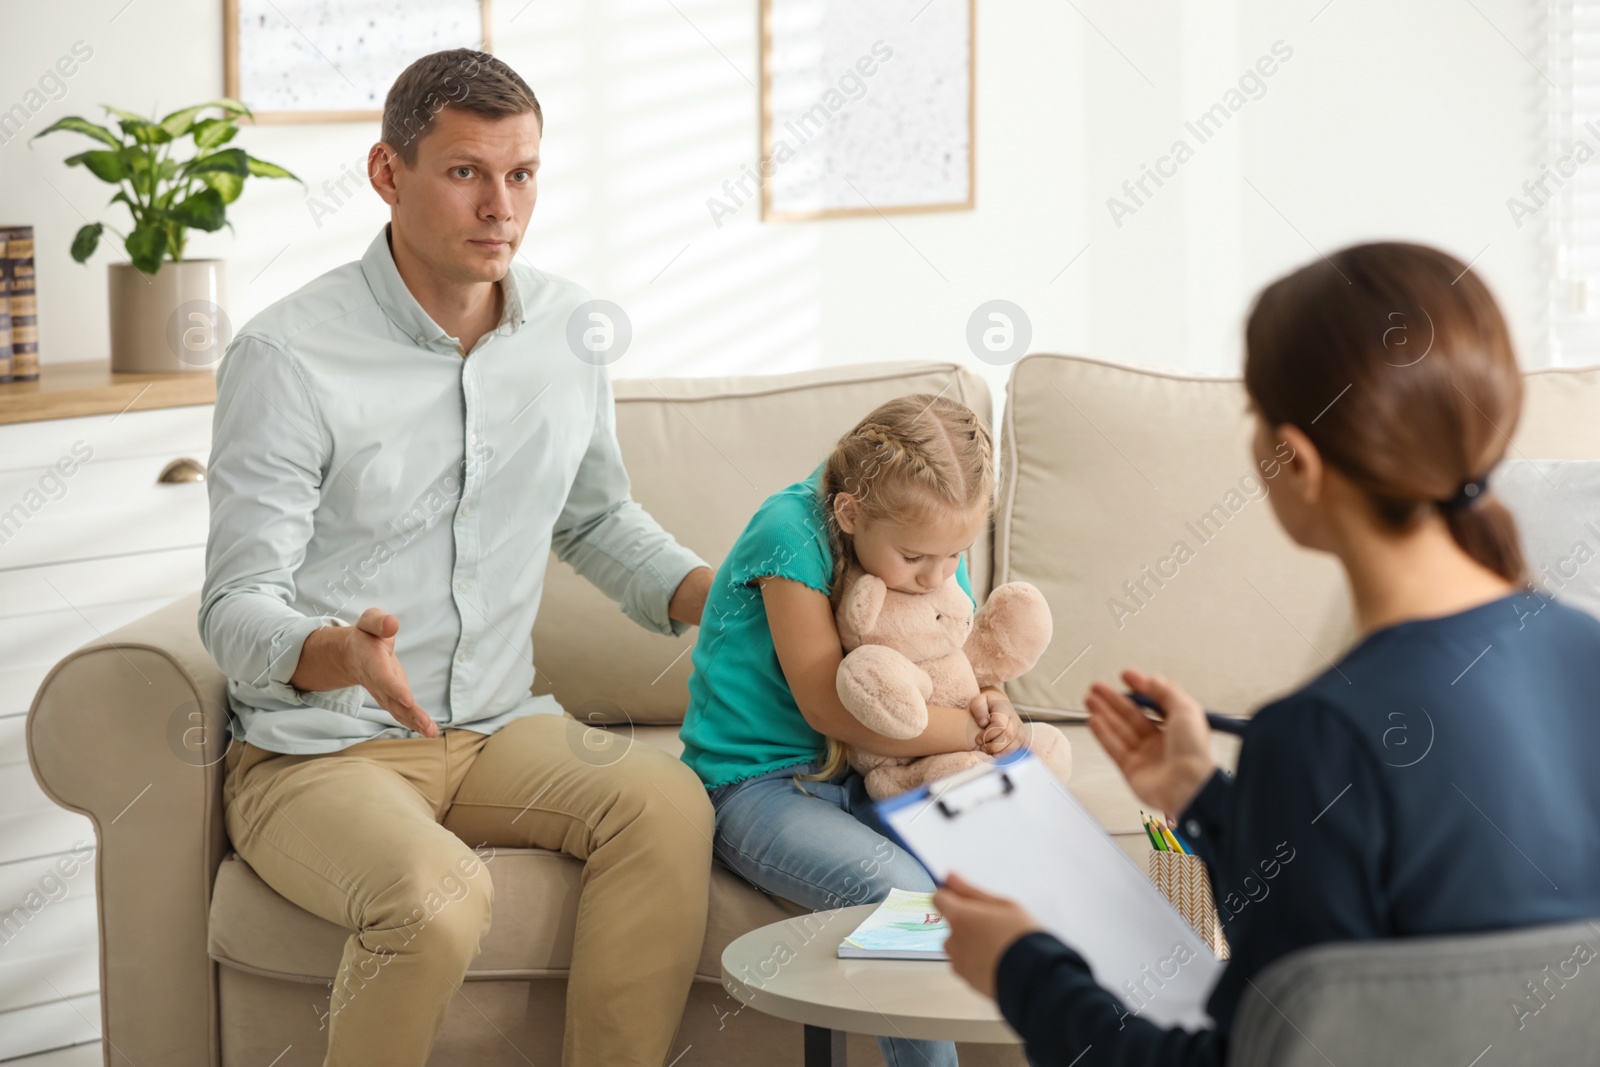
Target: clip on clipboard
{"x":1009,"y":827}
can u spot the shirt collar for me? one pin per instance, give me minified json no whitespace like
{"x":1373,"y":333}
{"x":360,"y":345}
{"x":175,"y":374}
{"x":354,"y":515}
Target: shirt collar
{"x":396,"y":300}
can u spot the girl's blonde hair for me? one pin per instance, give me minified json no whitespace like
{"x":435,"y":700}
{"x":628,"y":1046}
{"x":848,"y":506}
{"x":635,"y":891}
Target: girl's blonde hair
{"x":910,"y":461}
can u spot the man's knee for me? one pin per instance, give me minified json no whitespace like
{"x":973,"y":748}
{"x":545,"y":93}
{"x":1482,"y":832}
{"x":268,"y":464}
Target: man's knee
{"x":671,"y":798}
{"x":442,"y":901}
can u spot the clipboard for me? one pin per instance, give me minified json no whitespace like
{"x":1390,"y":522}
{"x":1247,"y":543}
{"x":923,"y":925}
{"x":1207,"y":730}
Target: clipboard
{"x":1011,"y":828}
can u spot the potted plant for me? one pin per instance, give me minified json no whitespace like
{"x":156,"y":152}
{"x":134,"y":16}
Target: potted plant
{"x":166,"y":311}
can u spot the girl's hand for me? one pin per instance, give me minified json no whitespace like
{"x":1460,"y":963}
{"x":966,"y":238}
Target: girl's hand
{"x":980,"y":703}
{"x":1003,"y":734}
{"x":1165,"y":765}
{"x":982,"y":927}
{"x":1000,"y":727}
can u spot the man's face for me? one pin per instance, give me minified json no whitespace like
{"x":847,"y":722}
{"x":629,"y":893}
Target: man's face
{"x":464,"y":205}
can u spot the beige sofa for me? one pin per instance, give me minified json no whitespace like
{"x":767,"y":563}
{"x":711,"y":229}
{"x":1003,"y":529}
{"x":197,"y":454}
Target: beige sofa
{"x":1104,"y":470}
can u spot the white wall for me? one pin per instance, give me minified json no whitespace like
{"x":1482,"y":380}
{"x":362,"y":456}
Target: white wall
{"x":1411,"y":120}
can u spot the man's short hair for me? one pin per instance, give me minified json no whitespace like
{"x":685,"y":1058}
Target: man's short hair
{"x":462,"y":78}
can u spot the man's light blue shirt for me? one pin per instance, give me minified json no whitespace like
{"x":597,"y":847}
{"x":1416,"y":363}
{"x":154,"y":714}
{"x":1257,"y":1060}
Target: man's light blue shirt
{"x":360,"y":460}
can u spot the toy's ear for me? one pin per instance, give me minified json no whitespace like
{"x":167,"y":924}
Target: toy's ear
{"x":866,"y":603}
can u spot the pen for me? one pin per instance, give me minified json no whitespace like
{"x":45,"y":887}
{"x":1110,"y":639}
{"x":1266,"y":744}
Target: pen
{"x":1226,"y":724}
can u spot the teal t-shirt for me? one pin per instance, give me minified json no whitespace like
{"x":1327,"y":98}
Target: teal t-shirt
{"x":742,"y":718}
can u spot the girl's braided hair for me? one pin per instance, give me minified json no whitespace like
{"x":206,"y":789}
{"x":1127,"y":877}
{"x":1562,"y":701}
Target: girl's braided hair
{"x":911,"y":461}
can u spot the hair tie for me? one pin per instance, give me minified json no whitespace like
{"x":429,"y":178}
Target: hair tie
{"x":1469,"y":492}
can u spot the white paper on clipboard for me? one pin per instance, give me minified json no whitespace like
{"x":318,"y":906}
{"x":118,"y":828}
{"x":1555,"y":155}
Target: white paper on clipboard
{"x":1011,"y":828}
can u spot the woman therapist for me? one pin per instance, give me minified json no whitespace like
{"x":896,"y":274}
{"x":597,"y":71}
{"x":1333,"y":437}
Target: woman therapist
{"x":1489,"y":815}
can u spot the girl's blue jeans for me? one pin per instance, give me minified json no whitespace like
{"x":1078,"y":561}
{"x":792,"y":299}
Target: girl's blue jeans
{"x":823,"y":850}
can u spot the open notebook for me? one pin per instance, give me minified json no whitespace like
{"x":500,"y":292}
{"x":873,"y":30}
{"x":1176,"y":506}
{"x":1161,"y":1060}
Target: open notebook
{"x":905,"y":926}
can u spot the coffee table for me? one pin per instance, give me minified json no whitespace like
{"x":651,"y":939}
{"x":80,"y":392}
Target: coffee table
{"x":790,"y":970}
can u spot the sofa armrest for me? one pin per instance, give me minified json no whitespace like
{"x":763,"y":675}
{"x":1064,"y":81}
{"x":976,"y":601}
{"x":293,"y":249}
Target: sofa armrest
{"x":130,"y":730}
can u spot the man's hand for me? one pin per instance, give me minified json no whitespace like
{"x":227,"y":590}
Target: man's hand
{"x":377,"y":670}
{"x":689,"y":599}
{"x":336,"y":656}
{"x":982,"y":927}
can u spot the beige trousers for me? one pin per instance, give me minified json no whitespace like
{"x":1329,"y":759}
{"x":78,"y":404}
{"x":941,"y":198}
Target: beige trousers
{"x":378,"y":837}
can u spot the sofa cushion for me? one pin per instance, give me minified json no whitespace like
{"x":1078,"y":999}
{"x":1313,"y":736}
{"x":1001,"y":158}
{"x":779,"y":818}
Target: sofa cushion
{"x":1132,"y":502}
{"x":1131,"y":499}
{"x":702,"y":454}
{"x":536,"y":893}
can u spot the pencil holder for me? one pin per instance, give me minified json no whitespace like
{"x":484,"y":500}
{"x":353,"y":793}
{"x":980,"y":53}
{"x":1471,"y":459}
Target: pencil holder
{"x":1182,"y":879}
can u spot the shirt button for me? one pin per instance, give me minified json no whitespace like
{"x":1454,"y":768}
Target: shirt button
{"x":421,"y":338}
{"x":461,"y":657}
{"x":1192,"y":827}
{"x":472,"y":438}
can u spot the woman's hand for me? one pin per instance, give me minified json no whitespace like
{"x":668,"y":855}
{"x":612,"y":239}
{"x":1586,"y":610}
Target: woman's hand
{"x":1165,"y":765}
{"x":982,"y":927}
{"x":1000,"y":728}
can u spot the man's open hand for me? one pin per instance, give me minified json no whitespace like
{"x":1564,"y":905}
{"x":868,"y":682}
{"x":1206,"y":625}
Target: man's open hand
{"x":370,"y":655}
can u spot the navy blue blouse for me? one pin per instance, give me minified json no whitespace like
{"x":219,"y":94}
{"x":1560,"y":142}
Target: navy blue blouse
{"x":1438,"y":779}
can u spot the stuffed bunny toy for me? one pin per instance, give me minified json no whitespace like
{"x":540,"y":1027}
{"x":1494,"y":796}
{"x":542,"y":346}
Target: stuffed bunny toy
{"x":908,"y":650}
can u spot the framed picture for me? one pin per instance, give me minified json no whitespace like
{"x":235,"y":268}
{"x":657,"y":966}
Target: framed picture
{"x":334,"y":61}
{"x":866,"y":108}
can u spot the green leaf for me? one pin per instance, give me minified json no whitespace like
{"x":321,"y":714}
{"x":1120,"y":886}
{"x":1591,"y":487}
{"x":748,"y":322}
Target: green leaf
{"x":147,"y":247}
{"x":143,"y":131}
{"x":140,"y":175}
{"x":103,"y":164}
{"x":182,"y":121}
{"x":260,"y":168}
{"x":229,"y":185}
{"x":231,"y":160}
{"x":87,"y":240}
{"x":209,"y":133}
{"x":121,"y":114}
{"x":84,"y":126}
{"x":203,"y":211}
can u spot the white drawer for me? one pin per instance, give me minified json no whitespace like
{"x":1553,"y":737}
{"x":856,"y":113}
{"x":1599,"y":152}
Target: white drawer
{"x":66,"y":924}
{"x":90,"y":583}
{"x":43,"y":833}
{"x":72,"y":871}
{"x":30,"y":980}
{"x":18,"y":683}
{"x":13,"y":739}
{"x":106,"y":507}
{"x":51,"y":1025}
{"x":46,"y":636}
{"x":20,"y":794}
{"x":36,"y":445}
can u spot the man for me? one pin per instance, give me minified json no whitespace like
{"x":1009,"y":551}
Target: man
{"x":400,"y":444}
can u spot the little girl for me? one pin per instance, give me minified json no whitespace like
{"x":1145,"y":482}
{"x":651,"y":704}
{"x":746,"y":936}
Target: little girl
{"x":904,"y":494}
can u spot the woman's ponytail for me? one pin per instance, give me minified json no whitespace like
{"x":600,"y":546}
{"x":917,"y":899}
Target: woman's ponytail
{"x":1486,"y":531}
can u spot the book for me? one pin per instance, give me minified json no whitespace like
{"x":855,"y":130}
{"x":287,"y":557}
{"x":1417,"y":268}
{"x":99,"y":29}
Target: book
{"x":18,"y":242}
{"x":904,"y":927}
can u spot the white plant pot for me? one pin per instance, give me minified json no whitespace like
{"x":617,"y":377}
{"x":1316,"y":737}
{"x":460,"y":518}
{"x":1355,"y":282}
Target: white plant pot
{"x":171,"y":320}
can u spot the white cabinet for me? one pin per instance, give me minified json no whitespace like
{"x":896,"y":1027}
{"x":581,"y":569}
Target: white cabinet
{"x":89,"y":540}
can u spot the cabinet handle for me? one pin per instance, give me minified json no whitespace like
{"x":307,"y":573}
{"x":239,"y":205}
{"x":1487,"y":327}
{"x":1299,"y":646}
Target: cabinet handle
{"x":182,"y":470}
